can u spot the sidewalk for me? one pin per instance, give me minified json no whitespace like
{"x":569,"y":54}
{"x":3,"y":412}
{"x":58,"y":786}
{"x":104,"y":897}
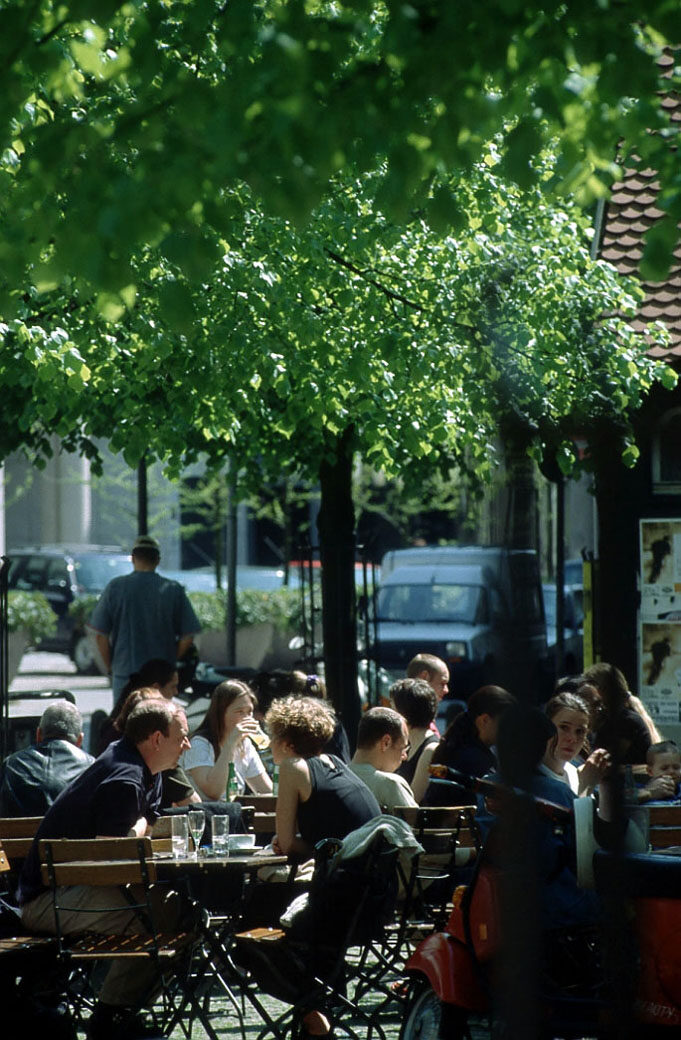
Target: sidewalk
{"x":47,"y":671}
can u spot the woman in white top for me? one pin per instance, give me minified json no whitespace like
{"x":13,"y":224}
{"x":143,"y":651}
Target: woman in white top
{"x":570,"y":715}
{"x":223,"y":737}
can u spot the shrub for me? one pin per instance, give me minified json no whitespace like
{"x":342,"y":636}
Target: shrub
{"x":32,"y":612}
{"x":81,"y":609}
{"x":279,"y":607}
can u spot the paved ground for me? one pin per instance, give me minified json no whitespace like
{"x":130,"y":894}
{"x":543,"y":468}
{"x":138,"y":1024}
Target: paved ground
{"x":46,"y":671}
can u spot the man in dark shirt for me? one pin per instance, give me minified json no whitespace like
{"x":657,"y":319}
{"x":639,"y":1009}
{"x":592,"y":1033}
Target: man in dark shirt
{"x":118,"y":796}
{"x":31,"y":779}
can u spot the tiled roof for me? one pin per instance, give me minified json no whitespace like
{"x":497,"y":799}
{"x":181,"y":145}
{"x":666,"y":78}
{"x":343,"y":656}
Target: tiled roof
{"x":629,"y":213}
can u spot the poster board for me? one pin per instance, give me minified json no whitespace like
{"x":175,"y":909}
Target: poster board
{"x":660,"y":619}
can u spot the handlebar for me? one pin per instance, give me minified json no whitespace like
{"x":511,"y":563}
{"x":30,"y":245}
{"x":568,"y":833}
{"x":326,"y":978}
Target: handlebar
{"x":443,"y":774}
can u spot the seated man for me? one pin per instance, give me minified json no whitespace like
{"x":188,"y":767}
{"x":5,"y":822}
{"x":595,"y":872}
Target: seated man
{"x":435,"y":672}
{"x":117,"y":796}
{"x":31,"y":779}
{"x":382,"y":744}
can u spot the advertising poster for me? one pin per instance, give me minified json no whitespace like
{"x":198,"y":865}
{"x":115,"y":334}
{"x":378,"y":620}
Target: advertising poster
{"x":660,"y":619}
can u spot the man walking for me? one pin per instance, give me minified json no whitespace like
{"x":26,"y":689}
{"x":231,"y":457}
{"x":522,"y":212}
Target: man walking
{"x":142,"y":616}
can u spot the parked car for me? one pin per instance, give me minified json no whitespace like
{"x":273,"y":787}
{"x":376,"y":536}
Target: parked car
{"x":573,"y":627}
{"x":202,"y":579}
{"x":477,"y":608}
{"x":64,"y":573}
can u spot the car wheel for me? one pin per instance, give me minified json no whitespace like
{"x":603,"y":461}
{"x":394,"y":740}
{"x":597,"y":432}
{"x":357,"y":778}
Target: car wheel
{"x":83,"y":655}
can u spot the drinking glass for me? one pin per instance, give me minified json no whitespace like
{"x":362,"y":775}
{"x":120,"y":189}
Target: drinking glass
{"x":220,"y":835}
{"x":197,"y":821}
{"x":179,"y":830}
{"x":260,"y":739}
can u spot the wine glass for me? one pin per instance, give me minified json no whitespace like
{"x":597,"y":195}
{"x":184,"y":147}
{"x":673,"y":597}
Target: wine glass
{"x":197,"y":821}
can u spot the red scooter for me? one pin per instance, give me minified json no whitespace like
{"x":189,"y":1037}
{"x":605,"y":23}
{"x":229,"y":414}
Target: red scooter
{"x":452,"y":973}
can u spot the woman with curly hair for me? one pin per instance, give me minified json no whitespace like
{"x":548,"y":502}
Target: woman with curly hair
{"x":222,"y":738}
{"x":319,"y":797}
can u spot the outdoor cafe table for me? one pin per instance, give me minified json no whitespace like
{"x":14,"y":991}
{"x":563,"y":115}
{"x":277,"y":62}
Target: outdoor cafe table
{"x":218,"y":972}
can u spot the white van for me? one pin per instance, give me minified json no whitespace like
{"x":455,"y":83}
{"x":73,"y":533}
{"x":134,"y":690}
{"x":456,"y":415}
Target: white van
{"x":478,"y":608}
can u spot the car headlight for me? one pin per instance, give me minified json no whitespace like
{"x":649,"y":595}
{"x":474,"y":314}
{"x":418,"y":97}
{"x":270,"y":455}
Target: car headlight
{"x":455,"y":649}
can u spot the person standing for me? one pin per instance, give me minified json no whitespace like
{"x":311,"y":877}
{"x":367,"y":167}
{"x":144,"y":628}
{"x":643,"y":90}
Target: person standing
{"x":142,"y":615}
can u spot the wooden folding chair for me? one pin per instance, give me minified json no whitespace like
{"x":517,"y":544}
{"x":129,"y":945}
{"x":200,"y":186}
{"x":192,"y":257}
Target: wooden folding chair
{"x":25,"y":962}
{"x":260,"y":802}
{"x":19,"y":826}
{"x":126,"y":864}
{"x":311,"y":969}
{"x":664,"y":823}
{"x":426,"y":889}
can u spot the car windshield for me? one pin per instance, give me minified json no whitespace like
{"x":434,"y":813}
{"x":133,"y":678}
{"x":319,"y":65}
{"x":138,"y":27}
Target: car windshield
{"x":424,"y":603}
{"x":93,"y":573}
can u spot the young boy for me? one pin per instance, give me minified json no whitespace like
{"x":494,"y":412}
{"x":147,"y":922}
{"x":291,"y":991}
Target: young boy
{"x":664,"y":769}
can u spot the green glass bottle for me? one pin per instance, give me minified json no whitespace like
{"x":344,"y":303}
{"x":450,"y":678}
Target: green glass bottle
{"x":275,"y":781}
{"x":232,"y":786}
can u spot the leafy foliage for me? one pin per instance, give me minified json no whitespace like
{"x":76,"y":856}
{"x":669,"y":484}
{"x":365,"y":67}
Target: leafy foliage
{"x":279,"y":607}
{"x":121,"y":123}
{"x":32,"y":612}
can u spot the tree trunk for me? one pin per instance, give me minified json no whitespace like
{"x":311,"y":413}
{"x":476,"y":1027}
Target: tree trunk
{"x":620,"y":496}
{"x":142,"y":498}
{"x":336,"y":527}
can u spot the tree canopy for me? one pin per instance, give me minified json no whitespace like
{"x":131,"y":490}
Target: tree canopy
{"x":122,"y":123}
{"x":288,"y":231}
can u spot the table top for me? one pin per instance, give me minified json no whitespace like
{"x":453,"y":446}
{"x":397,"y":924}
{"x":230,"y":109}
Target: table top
{"x":242,"y":861}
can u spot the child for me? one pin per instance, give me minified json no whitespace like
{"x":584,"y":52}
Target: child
{"x":664,"y":769}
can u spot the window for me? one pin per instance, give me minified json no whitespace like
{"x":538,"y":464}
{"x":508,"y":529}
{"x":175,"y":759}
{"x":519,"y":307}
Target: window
{"x":667,"y":454}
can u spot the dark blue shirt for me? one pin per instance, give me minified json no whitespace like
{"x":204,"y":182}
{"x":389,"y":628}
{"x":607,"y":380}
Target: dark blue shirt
{"x":107,"y":799}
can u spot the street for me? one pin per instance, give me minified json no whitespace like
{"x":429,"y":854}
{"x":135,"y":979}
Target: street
{"x":47,"y":671}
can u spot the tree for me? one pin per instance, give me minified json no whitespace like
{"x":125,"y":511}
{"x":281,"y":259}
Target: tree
{"x":156,"y":151}
{"x":122,"y":123}
{"x":356,"y":336}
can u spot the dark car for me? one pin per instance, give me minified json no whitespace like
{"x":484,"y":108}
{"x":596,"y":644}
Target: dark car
{"x":63,"y":573}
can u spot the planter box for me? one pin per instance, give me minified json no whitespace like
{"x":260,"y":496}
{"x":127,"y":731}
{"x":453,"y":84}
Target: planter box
{"x":259,"y":646}
{"x":17,"y":642}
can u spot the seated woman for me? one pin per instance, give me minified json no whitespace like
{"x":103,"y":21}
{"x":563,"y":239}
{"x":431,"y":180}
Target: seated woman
{"x":156,"y":674}
{"x":548,"y":851}
{"x":468,"y":740}
{"x":621,"y":728}
{"x":319,"y":797}
{"x":221,"y":739}
{"x":280,"y":683}
{"x":417,"y":703}
{"x":570,"y":715}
